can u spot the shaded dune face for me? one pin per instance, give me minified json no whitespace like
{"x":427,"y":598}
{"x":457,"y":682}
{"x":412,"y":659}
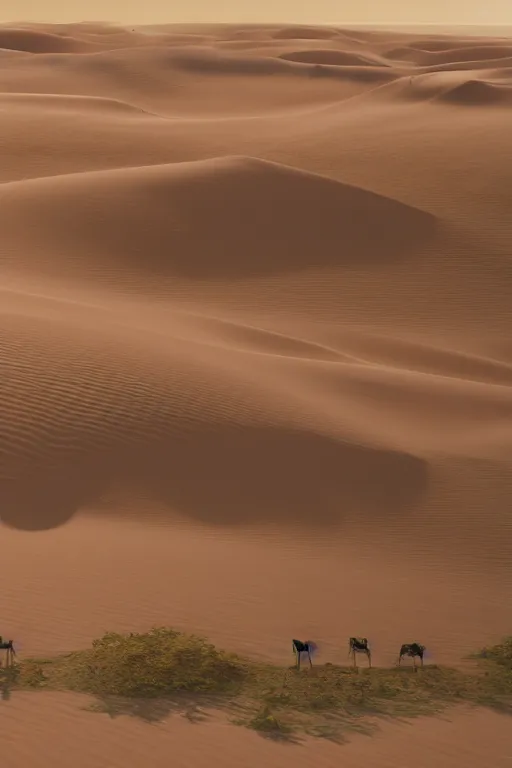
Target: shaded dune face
{"x":195,"y":433}
{"x":256,"y":218}
{"x":222,"y":424}
{"x":475,"y":92}
{"x":457,"y":88}
{"x":240,"y":478}
{"x":305,"y":33}
{"x":39,"y":42}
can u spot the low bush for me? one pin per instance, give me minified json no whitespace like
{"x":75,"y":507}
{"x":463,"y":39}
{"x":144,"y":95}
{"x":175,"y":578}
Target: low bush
{"x":155,"y":663}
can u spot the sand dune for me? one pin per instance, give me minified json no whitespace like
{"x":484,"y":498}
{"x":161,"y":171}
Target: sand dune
{"x":454,"y":87}
{"x":254,"y":334}
{"x":248,"y":212}
{"x":39,"y":42}
{"x":172,"y":80}
{"x":474,"y":92}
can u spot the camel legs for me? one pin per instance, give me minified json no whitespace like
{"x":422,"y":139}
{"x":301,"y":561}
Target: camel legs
{"x":309,"y":657}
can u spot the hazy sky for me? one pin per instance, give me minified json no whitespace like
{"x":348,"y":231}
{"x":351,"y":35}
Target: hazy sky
{"x":300,"y":11}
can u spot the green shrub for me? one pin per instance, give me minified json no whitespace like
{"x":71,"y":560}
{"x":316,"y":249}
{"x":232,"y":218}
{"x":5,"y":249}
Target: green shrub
{"x":155,"y":663}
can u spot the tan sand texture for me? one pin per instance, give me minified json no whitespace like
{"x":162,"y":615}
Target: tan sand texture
{"x":255,"y":361}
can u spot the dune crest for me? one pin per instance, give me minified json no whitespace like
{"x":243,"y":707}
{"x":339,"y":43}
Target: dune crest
{"x":333,"y":57}
{"x":68,"y":103}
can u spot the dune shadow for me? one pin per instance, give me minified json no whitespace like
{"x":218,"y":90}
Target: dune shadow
{"x":337,"y":65}
{"x":268,"y":475}
{"x":231,"y":218}
{"x":474,"y":93}
{"x":228,"y":476}
{"x":43,"y":498}
{"x":265,"y":220}
{"x":303,"y":32}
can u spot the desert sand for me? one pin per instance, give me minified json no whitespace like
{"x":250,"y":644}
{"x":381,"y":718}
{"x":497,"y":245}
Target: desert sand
{"x":256,"y":364}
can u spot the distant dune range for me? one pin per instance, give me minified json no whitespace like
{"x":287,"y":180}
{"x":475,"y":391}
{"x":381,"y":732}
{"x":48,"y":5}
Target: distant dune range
{"x":255,"y":313}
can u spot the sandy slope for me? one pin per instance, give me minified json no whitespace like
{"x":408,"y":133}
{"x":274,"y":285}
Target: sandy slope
{"x":254,"y":353}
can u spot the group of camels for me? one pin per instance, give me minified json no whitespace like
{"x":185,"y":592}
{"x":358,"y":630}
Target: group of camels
{"x":359,"y":645}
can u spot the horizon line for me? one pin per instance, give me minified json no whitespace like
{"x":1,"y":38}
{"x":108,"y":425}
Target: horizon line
{"x":272,"y":23}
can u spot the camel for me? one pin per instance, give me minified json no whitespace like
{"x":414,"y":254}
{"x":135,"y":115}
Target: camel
{"x":359,"y":645}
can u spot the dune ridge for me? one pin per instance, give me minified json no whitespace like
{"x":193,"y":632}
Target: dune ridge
{"x":330,"y":57}
{"x":69,"y":103}
{"x":255,"y":368}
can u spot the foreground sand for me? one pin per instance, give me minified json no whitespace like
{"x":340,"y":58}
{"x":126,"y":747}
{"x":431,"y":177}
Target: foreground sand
{"x":256,"y":360}
{"x":63,"y":729}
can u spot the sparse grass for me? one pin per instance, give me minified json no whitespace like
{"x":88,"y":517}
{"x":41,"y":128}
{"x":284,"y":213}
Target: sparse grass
{"x":153,"y":674}
{"x":500,"y":654}
{"x":493,"y":686}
